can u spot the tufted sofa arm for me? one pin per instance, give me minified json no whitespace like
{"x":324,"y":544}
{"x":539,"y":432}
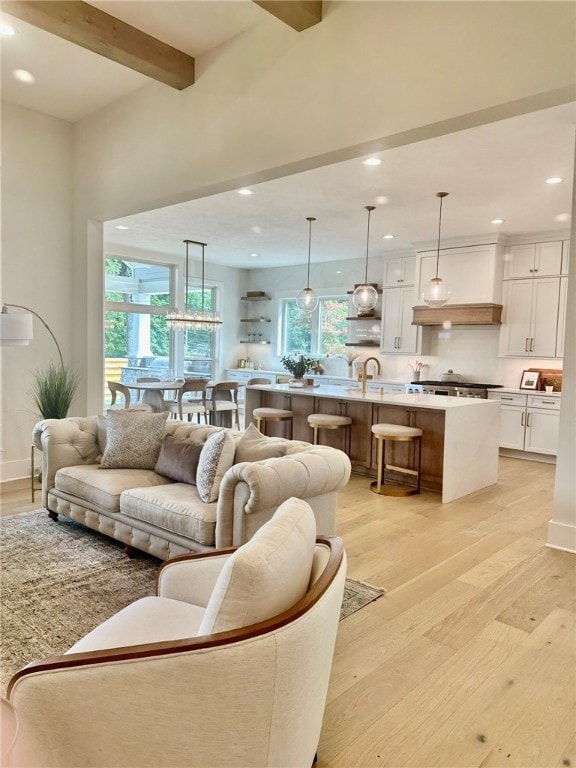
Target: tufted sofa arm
{"x":251,"y":491}
{"x":65,"y":443}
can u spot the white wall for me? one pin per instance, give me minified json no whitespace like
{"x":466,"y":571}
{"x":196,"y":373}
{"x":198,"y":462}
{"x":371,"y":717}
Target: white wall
{"x":36,"y":262}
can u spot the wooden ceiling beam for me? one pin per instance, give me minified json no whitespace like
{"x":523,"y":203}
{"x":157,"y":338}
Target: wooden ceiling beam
{"x":106,"y":35}
{"x":298,"y":14}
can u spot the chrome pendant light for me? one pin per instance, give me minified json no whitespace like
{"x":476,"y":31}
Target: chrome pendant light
{"x":307,"y":301}
{"x":194,"y":319}
{"x":365,"y":296}
{"x":436,"y":291}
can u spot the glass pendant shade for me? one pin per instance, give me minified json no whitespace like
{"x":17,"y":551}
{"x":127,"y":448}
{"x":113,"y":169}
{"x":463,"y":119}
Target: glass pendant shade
{"x":436,"y":292}
{"x":201,"y":319}
{"x":365,"y":296}
{"x":307,"y":300}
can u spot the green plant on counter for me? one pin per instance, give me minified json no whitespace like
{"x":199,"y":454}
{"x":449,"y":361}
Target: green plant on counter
{"x":554,"y":383}
{"x":53,"y":390}
{"x":297,"y":366}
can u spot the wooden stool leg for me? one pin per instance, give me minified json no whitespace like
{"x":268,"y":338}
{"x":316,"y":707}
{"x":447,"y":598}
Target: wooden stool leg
{"x":290,"y":429}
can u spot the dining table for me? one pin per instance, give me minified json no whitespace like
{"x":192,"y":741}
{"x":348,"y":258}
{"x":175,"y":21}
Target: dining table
{"x":153,"y":395}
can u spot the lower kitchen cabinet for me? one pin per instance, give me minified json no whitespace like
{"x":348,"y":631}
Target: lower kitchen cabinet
{"x":529,"y":422}
{"x":402,"y":454}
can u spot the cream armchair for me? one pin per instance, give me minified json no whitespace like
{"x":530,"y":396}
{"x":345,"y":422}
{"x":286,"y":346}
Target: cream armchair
{"x":169,"y":681}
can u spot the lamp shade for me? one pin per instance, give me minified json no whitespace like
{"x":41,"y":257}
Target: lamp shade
{"x":365,"y":298}
{"x":307,"y":300}
{"x":15,"y":329}
{"x":436,"y":292}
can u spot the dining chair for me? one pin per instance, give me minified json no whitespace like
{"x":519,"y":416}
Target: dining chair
{"x":222,"y":397}
{"x":190,"y":405}
{"x":128,"y":403}
{"x":258,"y":380}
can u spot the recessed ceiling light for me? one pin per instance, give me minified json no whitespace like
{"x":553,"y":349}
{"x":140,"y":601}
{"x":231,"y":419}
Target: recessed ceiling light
{"x":7,"y":31}
{"x":497,"y":221}
{"x":23,"y":76}
{"x":372,"y":161}
{"x":245,"y":191}
{"x":122,"y":226}
{"x":388,"y":237}
{"x":381,"y":200}
{"x":256,"y":229}
{"x":561,"y":217}
{"x":554,"y":180}
{"x":338,"y":271}
{"x":254,"y":255}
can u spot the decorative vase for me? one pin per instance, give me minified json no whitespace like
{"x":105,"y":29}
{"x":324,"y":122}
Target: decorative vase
{"x":416,"y":376}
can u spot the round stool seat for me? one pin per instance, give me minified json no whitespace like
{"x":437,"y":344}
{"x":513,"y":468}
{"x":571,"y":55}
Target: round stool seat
{"x":395,"y":431}
{"x":328,"y":420}
{"x":271,"y":413}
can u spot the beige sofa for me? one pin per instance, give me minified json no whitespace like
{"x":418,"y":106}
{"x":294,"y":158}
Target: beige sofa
{"x":149,"y":512}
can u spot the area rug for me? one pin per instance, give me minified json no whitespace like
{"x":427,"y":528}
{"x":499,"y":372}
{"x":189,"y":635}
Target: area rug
{"x":60,"y":579}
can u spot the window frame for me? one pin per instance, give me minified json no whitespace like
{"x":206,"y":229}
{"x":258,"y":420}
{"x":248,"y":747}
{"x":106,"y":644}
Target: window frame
{"x":316,"y":334}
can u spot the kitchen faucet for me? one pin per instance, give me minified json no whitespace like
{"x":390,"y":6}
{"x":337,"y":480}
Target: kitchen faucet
{"x":364,"y":375}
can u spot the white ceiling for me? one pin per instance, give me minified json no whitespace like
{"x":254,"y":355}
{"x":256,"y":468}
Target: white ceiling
{"x":498,"y":170}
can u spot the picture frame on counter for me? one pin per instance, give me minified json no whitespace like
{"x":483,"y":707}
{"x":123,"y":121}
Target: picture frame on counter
{"x":529,"y":380}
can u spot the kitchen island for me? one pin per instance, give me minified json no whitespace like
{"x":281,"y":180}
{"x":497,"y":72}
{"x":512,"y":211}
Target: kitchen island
{"x":460,"y":441}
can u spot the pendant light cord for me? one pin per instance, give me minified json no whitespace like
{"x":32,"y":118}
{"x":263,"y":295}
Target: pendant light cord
{"x":369,"y":208}
{"x":310,"y":220}
{"x":203,"y":245}
{"x":441,"y":195}
{"x":187,"y":242}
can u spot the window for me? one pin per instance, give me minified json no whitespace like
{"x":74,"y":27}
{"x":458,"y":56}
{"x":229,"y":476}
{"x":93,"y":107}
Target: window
{"x":137,"y":340}
{"x":320,"y":333}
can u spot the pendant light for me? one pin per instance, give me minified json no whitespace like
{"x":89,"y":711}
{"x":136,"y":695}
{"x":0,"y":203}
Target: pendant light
{"x":365,"y":296}
{"x":194,"y":319}
{"x":307,"y":301}
{"x":436,"y":292}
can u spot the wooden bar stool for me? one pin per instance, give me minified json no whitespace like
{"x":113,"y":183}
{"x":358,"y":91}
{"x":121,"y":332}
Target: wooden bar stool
{"x":398,"y":433}
{"x":262,"y":415}
{"x":330,"y":421}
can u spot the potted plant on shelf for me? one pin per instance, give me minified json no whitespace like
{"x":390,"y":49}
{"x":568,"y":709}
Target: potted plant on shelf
{"x":297,"y":365}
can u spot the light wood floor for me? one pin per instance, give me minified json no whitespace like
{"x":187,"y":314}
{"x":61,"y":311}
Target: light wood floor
{"x":468,"y":660}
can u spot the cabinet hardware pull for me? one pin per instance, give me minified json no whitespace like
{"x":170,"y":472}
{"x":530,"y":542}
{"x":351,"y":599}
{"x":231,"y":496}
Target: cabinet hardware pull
{"x":522,"y":419}
{"x":531,"y":344}
{"x":526,"y":345}
{"x":506,"y":398}
{"x":399,"y":342}
{"x":529,"y":421}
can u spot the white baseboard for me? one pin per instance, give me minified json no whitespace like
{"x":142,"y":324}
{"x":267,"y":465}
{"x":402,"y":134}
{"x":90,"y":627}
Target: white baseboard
{"x":512,"y":453}
{"x":14,"y":470}
{"x":561,"y":536}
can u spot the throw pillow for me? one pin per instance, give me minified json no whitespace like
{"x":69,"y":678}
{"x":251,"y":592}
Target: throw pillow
{"x":178,"y":459}
{"x":268,"y":574}
{"x":133,"y":439}
{"x":254,"y":446}
{"x":216,"y":458}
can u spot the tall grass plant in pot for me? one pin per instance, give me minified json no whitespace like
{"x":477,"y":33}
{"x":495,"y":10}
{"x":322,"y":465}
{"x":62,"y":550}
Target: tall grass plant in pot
{"x":54,"y":389}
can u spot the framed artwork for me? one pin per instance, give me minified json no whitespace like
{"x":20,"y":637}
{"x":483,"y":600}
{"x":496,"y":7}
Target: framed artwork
{"x":529,"y":380}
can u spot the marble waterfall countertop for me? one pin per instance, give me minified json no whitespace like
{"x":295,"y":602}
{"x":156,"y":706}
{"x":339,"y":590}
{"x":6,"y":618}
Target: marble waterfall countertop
{"x":354,"y":393}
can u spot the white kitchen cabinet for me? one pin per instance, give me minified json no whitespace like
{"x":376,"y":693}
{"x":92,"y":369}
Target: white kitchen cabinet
{"x":563,"y":301}
{"x":529,"y":422}
{"x":399,"y":271}
{"x":530,"y":317}
{"x":473,"y":273}
{"x":533,"y":260}
{"x":398,"y":334}
{"x":565,"y":256}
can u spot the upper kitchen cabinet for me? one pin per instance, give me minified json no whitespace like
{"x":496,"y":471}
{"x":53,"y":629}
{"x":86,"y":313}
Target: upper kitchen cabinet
{"x":565,"y":256}
{"x":473,"y":272}
{"x":530,"y":317}
{"x":399,"y":271}
{"x":533,"y":260}
{"x":399,"y":336}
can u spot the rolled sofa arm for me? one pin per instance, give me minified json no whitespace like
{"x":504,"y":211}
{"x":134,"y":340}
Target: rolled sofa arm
{"x":256,"y":489}
{"x":65,"y":443}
